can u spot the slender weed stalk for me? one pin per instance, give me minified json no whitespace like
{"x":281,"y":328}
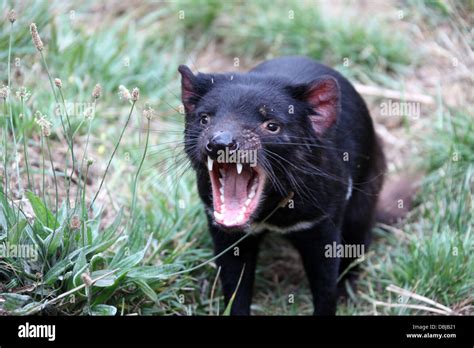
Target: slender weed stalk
{"x":39,"y":46}
{"x":46,"y":135}
{"x":43,"y":177}
{"x":83,"y":204}
{"x":81,"y":174}
{"x":88,"y":115}
{"x":22,"y":95}
{"x":133,"y":98}
{"x":45,"y":127}
{"x":12,"y":18}
{"x":4,"y":95}
{"x":15,"y":153}
{"x":55,"y":183}
{"x":69,"y":139}
{"x":148,"y":113}
{"x":43,"y":123}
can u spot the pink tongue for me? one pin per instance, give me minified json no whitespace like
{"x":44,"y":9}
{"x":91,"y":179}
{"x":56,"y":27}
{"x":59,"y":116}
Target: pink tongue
{"x":235,"y":191}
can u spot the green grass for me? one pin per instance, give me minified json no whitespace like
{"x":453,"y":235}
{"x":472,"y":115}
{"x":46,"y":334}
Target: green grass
{"x":434,"y":259}
{"x":147,"y":252}
{"x":250,"y":32}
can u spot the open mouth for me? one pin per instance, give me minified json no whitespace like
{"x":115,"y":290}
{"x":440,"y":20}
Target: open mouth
{"x":236,"y":191}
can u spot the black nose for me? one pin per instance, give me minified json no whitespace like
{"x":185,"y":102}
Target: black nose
{"x":220,"y":141}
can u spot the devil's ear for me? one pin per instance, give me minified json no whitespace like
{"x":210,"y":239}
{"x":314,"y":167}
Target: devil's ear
{"x":188,"y":88}
{"x":192,"y":87}
{"x":323,"y":95}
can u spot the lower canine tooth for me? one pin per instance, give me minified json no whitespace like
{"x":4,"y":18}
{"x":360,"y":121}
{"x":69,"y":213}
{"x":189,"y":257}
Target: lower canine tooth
{"x":218,"y":215}
{"x":210,"y":162}
{"x":239,"y":168}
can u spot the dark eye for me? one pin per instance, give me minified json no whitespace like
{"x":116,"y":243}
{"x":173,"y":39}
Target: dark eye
{"x":272,"y":127}
{"x":204,"y":119}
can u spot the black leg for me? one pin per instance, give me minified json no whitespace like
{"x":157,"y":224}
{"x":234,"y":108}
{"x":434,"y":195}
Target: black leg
{"x":232,"y":264}
{"x":356,"y":230}
{"x":321,"y":270}
{"x":355,"y":233}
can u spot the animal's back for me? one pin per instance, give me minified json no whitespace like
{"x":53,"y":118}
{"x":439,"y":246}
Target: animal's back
{"x":353,"y":132}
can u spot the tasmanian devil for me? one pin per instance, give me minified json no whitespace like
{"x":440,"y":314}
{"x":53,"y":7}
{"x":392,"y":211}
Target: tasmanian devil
{"x":288,"y":147}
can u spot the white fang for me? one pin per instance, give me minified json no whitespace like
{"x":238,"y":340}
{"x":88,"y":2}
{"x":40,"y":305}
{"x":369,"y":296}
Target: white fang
{"x":210,"y":162}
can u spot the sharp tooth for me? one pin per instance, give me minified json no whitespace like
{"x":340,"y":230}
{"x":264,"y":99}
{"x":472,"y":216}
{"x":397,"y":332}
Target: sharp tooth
{"x":210,"y":162}
{"x":251,"y":194}
{"x":222,"y":198}
{"x":218,"y":215}
{"x":221,"y":191}
{"x":247,"y":202}
{"x":239,"y":168}
{"x":222,"y":172}
{"x":221,"y":180}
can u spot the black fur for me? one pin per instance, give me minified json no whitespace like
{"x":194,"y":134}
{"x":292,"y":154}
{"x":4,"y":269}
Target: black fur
{"x":312,"y":160}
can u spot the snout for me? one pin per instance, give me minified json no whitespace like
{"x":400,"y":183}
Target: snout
{"x":220,"y":141}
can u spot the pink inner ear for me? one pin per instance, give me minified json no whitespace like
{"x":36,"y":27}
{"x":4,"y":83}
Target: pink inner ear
{"x":320,"y":123}
{"x":324,"y":98}
{"x":187,"y":93}
{"x":187,"y":87}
